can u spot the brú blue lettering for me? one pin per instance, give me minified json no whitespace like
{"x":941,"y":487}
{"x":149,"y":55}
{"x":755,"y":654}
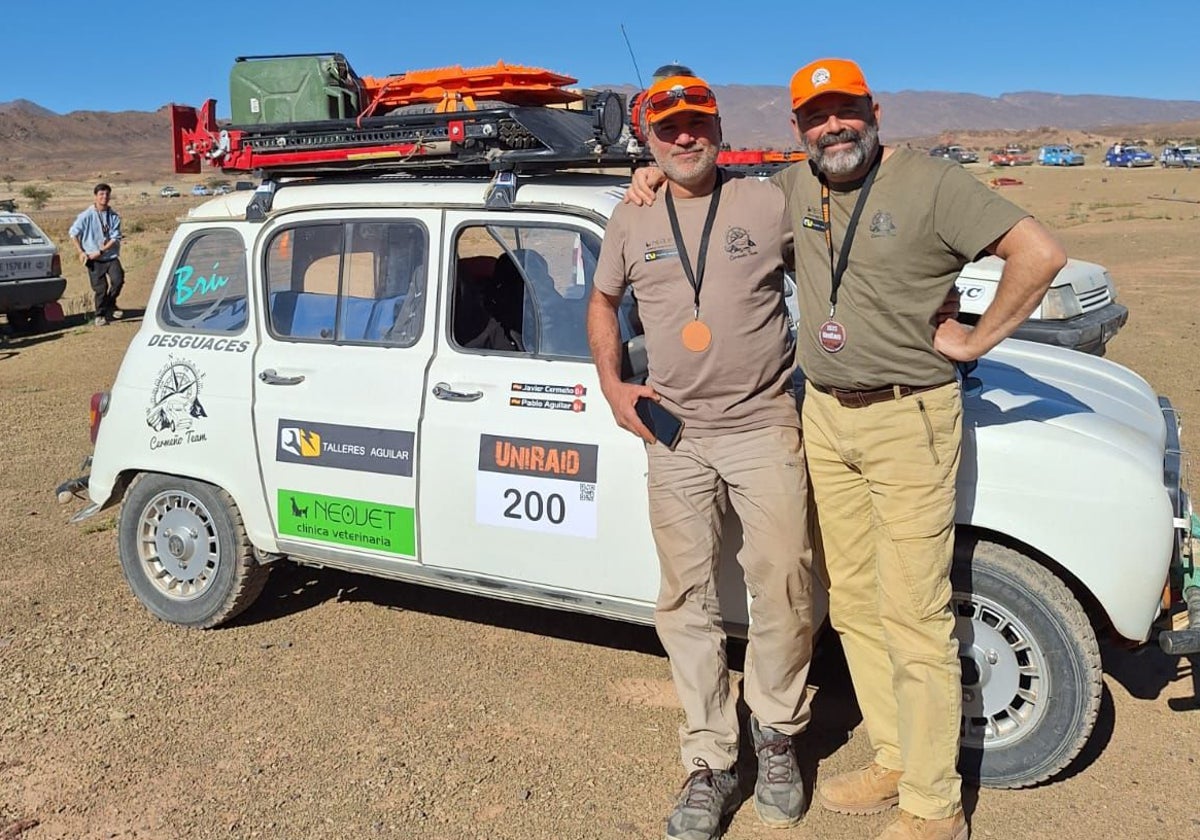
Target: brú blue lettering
{"x":186,"y":288}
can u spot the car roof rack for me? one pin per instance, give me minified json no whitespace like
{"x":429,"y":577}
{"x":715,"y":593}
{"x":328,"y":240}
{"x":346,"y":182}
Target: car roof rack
{"x":498,"y":137}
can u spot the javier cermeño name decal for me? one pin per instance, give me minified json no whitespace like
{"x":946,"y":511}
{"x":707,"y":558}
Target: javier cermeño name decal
{"x":537,"y":485}
{"x":386,"y":451}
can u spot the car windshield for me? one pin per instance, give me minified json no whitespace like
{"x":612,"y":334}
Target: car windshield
{"x":17,"y":230}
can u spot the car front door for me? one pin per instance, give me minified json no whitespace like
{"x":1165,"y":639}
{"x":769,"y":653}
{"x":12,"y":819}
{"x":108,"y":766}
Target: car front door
{"x":527,"y":479}
{"x":339,"y":379}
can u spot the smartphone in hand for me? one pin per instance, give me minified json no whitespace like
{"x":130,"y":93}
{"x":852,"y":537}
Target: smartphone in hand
{"x":665,"y":426}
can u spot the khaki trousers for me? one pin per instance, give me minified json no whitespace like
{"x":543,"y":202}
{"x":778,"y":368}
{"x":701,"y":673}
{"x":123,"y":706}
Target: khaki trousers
{"x":883,"y":484}
{"x":762,"y":473}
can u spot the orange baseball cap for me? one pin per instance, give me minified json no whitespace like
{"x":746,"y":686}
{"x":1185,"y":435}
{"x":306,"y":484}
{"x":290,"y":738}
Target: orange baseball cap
{"x":828,"y":75}
{"x":678,"y":93}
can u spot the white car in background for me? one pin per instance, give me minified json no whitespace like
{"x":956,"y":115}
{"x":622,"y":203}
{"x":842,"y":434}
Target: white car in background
{"x":31,"y":278}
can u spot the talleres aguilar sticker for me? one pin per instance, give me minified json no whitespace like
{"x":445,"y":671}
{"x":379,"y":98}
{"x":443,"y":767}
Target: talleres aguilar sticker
{"x":547,"y":486}
{"x":373,"y":526}
{"x":387,"y":451}
{"x":176,"y":414}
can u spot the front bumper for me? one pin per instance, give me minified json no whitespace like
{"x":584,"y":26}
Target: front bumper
{"x":1087,"y":333}
{"x":26,"y":294}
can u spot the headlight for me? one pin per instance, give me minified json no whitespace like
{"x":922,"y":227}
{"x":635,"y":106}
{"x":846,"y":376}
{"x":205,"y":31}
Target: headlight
{"x":1060,"y":304}
{"x":1112,"y":288}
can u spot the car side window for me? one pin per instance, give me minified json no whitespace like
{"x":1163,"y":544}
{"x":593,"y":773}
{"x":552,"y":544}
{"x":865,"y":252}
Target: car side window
{"x":360,"y":282}
{"x":208,"y":285}
{"x":523,"y":289}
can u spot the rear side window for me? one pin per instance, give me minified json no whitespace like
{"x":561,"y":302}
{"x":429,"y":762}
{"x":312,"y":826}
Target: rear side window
{"x":207,"y":291}
{"x":354,"y":282}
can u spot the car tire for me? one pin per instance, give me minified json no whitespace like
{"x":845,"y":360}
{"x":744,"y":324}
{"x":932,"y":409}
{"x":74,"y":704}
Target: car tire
{"x":185,"y":553}
{"x":1032,"y":675}
{"x":28,"y":320}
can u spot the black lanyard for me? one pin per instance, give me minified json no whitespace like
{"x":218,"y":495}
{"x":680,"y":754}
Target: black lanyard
{"x":696,"y":279}
{"x":851,"y":226}
{"x":103,"y":223}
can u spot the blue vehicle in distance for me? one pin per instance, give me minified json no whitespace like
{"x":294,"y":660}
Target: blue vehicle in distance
{"x":1128,"y":156}
{"x":1059,"y":156}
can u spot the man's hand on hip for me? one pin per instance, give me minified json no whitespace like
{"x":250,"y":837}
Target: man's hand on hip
{"x":954,"y":341}
{"x":622,"y":399}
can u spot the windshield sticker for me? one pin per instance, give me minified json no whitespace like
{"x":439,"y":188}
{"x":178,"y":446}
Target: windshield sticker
{"x":561,"y":390}
{"x":353,"y":522}
{"x":175,"y":410}
{"x":189,"y":285}
{"x":199,"y":342}
{"x":359,"y":448}
{"x":537,"y":485}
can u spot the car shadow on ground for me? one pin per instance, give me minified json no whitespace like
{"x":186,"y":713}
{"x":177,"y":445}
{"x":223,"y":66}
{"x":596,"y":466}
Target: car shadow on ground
{"x":12,"y":341}
{"x":1146,"y":671}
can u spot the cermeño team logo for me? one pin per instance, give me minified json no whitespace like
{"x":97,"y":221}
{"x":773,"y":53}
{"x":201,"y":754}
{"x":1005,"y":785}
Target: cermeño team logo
{"x":175,"y":398}
{"x":882,"y":224}
{"x":738,"y":243}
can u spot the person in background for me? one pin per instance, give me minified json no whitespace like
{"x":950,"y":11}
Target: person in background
{"x":97,"y":235}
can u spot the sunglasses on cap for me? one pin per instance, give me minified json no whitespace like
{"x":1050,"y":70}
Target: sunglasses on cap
{"x":690,"y":94}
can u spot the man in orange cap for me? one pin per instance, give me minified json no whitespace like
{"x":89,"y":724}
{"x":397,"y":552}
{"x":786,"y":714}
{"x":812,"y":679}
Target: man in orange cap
{"x":706,"y":267}
{"x":880,"y":236}
{"x":883,"y":420}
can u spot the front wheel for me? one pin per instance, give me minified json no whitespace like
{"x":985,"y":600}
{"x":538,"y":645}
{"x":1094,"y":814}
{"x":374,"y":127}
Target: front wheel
{"x":1031,"y":669}
{"x":185,"y":553}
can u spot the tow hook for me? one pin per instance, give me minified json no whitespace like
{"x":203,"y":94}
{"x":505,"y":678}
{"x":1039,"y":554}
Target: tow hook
{"x":1187,"y":641}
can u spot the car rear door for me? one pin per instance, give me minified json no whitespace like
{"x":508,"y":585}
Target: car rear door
{"x":339,"y":379}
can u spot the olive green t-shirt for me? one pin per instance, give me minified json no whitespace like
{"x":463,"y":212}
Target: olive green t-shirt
{"x":742,"y":381}
{"x":923,"y":220}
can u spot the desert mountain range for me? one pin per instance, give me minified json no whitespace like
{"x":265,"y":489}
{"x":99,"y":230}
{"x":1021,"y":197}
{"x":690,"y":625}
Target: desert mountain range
{"x":36,"y":143}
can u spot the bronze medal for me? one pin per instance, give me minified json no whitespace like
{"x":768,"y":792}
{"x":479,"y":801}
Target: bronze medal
{"x":696,"y":336}
{"x":832,"y":336}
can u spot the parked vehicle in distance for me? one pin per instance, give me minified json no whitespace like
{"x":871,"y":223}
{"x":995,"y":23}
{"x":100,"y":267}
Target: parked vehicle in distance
{"x":1010,"y":156}
{"x":200,"y":189}
{"x":1059,"y":156}
{"x":957,"y":153}
{"x":223,"y":189}
{"x":1181,"y":156}
{"x":31,"y":277}
{"x":1128,"y":156}
{"x":169,"y":192}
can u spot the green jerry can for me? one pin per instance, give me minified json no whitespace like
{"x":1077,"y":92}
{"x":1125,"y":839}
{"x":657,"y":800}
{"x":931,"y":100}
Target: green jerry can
{"x":268,"y":89}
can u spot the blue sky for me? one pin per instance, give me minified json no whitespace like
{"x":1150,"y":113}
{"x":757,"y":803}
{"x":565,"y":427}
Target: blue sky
{"x":139,"y":55}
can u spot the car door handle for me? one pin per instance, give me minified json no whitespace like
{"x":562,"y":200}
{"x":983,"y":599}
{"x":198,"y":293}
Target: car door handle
{"x":444,"y":392}
{"x":270,"y":377}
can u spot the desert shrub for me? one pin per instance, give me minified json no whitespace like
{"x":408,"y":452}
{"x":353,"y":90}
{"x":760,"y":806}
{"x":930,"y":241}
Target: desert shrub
{"x":38,"y":196}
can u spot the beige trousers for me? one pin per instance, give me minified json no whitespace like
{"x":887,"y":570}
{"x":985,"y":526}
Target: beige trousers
{"x":883,"y":484}
{"x":762,"y":473}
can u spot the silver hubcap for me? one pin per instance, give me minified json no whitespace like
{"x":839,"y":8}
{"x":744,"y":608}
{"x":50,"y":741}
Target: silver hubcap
{"x":1005,"y":679}
{"x":178,"y":545}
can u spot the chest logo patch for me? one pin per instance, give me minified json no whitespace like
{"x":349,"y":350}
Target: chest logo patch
{"x":738,"y":243}
{"x":882,"y":224}
{"x":656,"y":254}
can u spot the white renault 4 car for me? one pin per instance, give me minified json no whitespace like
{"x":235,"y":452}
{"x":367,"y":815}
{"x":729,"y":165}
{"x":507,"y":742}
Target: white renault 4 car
{"x":390,"y":375}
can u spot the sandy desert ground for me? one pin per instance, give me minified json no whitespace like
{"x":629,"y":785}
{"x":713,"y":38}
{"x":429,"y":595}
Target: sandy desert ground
{"x":344,"y":706}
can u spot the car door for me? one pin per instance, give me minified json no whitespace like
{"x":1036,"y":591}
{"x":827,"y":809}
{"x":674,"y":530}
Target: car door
{"x":339,"y":379}
{"x":529,"y":481}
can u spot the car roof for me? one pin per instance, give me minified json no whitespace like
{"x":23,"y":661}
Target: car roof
{"x":597,"y":193}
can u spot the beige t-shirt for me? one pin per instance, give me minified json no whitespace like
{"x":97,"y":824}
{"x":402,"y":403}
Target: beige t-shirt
{"x":924,"y":219}
{"x":742,"y":381}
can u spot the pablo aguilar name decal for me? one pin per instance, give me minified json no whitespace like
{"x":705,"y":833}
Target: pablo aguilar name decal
{"x":537,"y":485}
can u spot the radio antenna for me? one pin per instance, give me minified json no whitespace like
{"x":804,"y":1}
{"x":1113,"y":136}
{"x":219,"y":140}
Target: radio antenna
{"x":632,"y":57}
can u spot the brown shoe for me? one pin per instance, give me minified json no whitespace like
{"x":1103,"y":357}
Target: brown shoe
{"x":867,"y":791}
{"x":909,"y":827}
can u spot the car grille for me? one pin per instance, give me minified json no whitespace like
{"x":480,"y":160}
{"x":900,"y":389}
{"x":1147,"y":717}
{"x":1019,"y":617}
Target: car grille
{"x":1094,"y":298}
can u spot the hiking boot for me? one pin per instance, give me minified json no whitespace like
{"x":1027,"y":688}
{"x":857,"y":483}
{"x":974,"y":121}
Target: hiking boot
{"x":870,"y":790}
{"x":910,"y":827}
{"x":707,"y":797}
{"x":779,"y":792}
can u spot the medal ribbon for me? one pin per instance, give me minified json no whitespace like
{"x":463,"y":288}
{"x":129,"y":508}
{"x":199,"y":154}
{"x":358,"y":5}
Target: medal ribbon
{"x":851,"y":226}
{"x":696,"y":279}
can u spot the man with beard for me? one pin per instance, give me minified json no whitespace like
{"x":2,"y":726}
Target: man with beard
{"x":880,"y":235}
{"x":706,"y":267}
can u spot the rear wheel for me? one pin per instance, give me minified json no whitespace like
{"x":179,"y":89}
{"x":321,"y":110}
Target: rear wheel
{"x":1031,"y":668}
{"x":185,"y":553}
{"x":27,"y":320}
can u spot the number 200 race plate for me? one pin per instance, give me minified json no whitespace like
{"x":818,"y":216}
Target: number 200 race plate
{"x":537,"y":485}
